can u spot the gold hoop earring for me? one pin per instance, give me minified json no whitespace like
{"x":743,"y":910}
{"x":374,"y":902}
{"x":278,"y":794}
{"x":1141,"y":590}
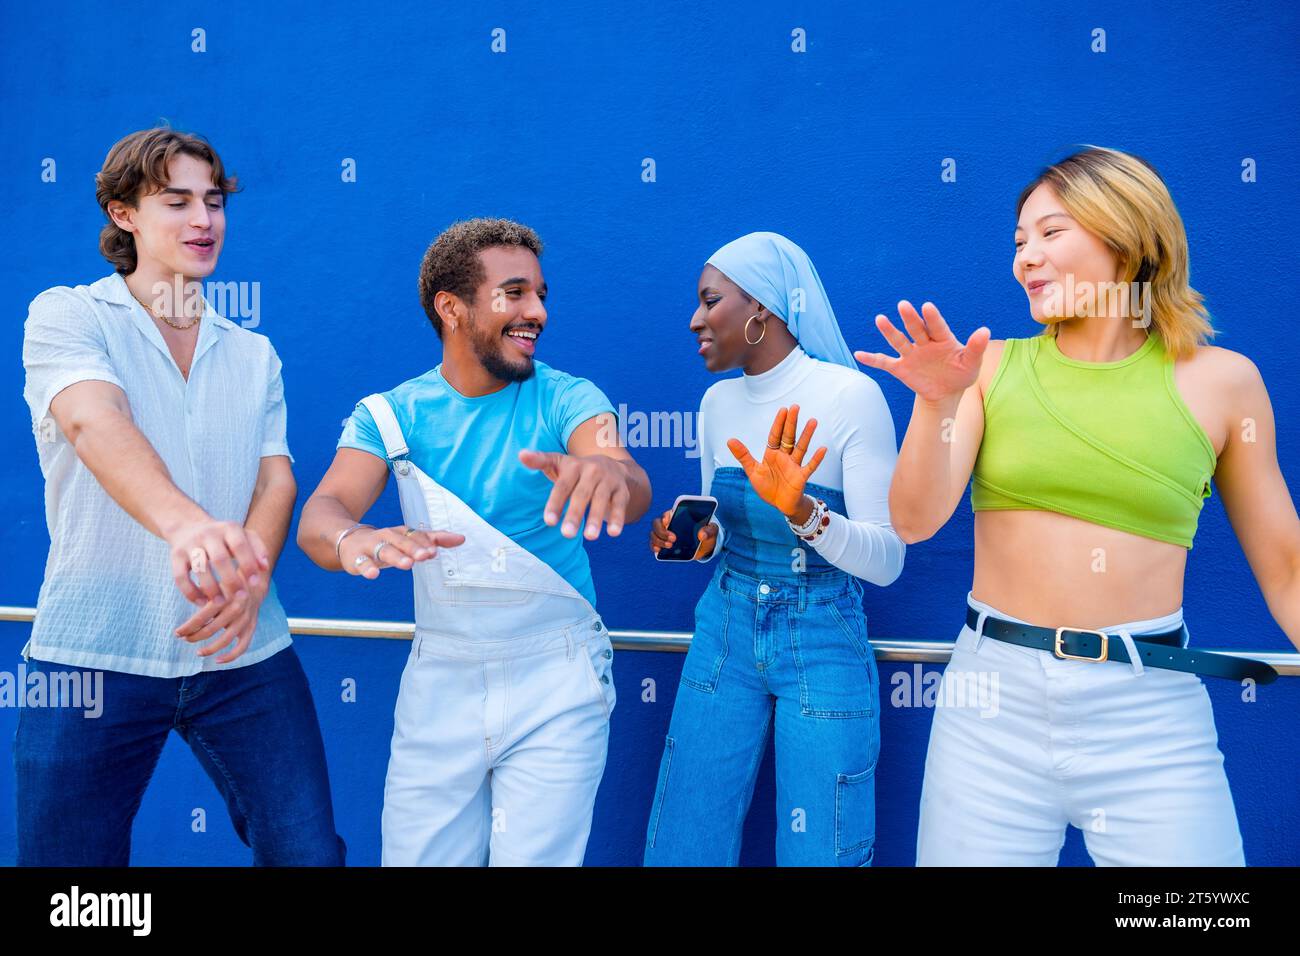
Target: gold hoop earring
{"x":762,"y":327}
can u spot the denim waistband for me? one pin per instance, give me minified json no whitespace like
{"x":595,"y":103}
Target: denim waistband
{"x":813,"y":587}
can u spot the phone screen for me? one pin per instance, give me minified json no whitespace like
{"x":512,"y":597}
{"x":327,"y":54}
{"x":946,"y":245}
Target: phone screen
{"x":685,"y":523}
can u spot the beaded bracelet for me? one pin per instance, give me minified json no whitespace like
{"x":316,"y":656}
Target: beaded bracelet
{"x":808,"y":525}
{"x":816,"y":523}
{"x":825,"y":522}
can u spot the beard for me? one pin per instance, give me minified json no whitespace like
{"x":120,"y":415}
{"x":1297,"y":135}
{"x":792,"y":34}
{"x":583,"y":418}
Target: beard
{"x":490,"y":351}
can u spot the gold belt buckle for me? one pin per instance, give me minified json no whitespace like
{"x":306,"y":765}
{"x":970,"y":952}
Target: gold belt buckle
{"x":1105,"y":641}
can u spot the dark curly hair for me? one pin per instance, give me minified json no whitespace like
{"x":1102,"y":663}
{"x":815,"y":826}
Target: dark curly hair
{"x":137,"y":166}
{"x":452,"y":263}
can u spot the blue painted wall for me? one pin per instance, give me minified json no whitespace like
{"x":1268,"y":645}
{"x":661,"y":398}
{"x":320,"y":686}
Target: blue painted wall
{"x":839,"y":147}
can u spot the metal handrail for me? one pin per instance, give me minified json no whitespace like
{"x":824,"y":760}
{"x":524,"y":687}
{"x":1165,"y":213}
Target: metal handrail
{"x":887,"y":649}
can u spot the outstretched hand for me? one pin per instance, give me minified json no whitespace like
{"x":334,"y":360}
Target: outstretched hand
{"x":933,"y":363}
{"x":593,"y":485}
{"x":780,"y":476}
{"x":363,"y":554}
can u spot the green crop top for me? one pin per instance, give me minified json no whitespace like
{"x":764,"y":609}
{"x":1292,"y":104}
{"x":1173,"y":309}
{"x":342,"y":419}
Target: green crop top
{"x":1109,"y":442}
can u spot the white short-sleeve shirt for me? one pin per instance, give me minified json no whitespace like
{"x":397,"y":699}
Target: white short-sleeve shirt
{"x":108,"y":600}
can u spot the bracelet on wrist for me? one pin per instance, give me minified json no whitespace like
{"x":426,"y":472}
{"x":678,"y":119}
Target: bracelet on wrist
{"x":338,"y":542}
{"x":816,"y":523}
{"x":807,"y":524}
{"x":823,"y":522}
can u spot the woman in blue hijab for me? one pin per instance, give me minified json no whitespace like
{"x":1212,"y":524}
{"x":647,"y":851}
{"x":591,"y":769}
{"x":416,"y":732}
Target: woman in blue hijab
{"x":780,"y":638}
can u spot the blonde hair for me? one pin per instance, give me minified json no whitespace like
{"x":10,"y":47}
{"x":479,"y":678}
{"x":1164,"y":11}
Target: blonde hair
{"x":1122,"y":200}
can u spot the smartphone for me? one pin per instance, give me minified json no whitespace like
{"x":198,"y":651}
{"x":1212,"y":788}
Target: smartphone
{"x":690,"y":514}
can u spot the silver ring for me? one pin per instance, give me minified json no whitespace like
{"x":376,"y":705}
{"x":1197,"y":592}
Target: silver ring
{"x":360,"y":560}
{"x":379,"y":547}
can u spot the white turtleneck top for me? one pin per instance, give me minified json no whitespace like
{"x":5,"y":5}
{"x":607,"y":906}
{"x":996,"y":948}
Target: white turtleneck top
{"x":854,"y":424}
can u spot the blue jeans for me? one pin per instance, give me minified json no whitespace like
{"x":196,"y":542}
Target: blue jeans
{"x":792,"y":652}
{"x":254,"y":730}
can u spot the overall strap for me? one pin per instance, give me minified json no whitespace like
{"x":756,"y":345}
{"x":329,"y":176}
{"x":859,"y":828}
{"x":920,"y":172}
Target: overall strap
{"x":386,"y":421}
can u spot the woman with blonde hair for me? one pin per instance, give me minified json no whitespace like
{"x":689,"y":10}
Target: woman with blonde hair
{"x":1092,"y":447}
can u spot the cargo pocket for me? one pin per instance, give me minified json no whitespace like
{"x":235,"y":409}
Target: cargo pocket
{"x":665,"y":765}
{"x":855,"y":817}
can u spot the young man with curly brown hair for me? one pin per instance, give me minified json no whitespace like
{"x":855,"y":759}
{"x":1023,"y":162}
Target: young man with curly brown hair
{"x":502,"y":718}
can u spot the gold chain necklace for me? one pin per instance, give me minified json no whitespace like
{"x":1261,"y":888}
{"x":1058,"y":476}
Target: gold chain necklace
{"x":165,"y":318}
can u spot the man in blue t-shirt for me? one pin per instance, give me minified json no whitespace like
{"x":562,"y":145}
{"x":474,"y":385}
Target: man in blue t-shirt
{"x":502,"y":719}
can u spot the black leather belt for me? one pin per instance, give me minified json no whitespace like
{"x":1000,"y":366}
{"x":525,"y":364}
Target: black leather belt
{"x":1157,"y":650}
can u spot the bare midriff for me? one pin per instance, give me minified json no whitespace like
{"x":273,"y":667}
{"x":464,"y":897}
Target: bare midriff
{"x":1058,"y":571}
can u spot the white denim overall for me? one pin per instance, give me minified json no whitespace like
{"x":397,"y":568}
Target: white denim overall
{"x":502,"y":719}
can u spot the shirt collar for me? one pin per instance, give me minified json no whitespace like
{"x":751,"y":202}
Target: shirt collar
{"x":113,"y":289}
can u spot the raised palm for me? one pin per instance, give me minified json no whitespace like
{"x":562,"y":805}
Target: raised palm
{"x":780,"y":476}
{"x":933,"y":363}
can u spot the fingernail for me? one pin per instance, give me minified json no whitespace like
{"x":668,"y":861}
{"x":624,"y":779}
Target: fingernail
{"x":614,"y":528}
{"x":254,"y":580}
{"x":550,"y":517}
{"x":568,"y":530}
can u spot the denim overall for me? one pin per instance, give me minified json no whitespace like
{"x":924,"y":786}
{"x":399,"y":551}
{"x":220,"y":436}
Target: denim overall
{"x":780,"y":639}
{"x":502,"y":718}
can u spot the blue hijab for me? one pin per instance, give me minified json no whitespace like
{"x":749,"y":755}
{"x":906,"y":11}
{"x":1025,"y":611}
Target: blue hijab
{"x":773,"y":270}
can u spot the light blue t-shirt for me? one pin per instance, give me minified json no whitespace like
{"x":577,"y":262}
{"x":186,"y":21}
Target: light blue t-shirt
{"x":471,"y":447}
